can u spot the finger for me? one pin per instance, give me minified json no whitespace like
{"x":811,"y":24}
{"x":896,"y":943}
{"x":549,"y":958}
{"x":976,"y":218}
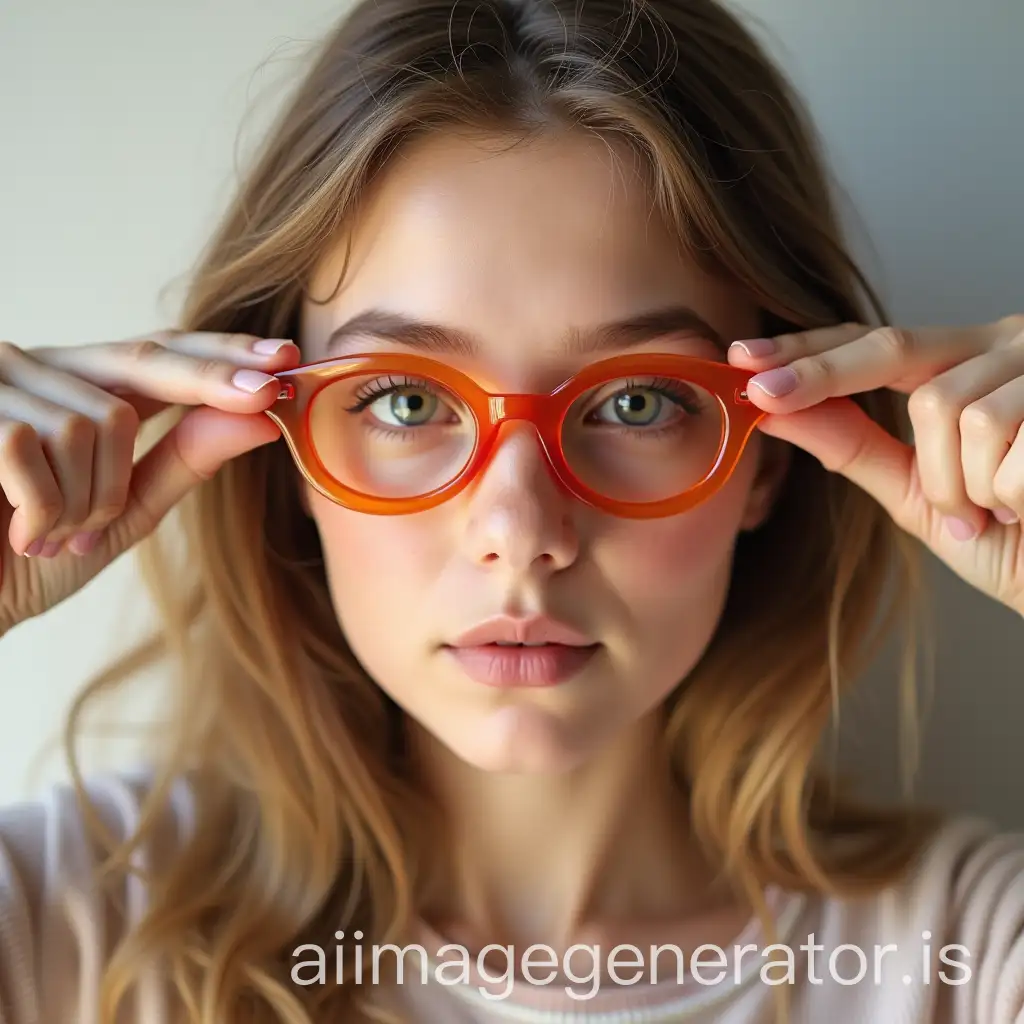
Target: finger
{"x":157,"y":372}
{"x":991,"y":430}
{"x":760,"y":353}
{"x":1008,"y":482}
{"x":116,"y":425}
{"x":113,"y":457}
{"x":269,"y":354}
{"x":956,"y":434}
{"x":28,"y":484}
{"x":191,"y":452}
{"x":882,"y":357}
{"x":847,"y":441}
{"x":67,"y":439}
{"x":244,"y":350}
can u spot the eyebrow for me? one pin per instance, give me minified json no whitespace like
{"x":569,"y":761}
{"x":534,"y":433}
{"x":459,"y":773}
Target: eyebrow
{"x":439,"y":339}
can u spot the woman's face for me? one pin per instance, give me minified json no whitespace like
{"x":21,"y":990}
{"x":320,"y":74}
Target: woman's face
{"x":523,"y":248}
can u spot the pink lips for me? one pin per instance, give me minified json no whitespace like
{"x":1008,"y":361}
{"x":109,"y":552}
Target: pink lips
{"x":556,"y":654}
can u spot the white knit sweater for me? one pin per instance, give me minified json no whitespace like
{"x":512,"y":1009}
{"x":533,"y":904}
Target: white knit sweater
{"x":961,"y":911}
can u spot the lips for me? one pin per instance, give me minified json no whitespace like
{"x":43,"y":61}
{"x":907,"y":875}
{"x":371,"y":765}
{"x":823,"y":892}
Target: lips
{"x":539,"y":629}
{"x":507,"y":652}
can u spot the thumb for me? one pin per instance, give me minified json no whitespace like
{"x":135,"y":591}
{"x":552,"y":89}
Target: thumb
{"x":845,"y":440}
{"x":192,"y":451}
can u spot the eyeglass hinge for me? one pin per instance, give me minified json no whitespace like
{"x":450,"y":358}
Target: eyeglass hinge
{"x":741,"y":396}
{"x":287,"y":391}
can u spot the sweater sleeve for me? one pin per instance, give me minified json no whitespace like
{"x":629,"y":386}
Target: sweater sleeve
{"x":56,"y":926}
{"x":987,"y":920}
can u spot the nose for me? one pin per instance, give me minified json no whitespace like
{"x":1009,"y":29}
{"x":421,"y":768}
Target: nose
{"x":519,"y":514}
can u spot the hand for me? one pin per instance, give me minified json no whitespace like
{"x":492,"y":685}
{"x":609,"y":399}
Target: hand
{"x":69,"y":419}
{"x":960,"y":487}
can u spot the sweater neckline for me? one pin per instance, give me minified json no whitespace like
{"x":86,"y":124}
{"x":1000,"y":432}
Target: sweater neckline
{"x":643,"y":1001}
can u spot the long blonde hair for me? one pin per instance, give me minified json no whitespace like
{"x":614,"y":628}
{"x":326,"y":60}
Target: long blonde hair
{"x":306,"y":823}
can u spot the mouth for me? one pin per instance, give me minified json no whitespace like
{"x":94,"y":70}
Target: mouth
{"x":509,"y":665}
{"x":507,"y":652}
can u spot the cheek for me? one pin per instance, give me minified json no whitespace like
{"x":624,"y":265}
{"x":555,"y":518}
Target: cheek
{"x":378,"y":568}
{"x":690,"y":544}
{"x":687,"y":548}
{"x":672,"y":577}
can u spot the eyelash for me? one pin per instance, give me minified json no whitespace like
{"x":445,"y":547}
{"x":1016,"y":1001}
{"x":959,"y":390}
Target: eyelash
{"x":370,"y":392}
{"x":670,"y":389}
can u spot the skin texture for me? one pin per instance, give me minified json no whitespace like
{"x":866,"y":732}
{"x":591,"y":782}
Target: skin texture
{"x":516,"y":245}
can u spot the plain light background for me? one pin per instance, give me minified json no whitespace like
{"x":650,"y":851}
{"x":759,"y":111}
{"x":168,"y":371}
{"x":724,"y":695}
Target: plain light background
{"x":120,"y":122}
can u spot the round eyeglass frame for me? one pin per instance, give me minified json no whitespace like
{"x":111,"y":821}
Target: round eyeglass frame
{"x":491,"y":410}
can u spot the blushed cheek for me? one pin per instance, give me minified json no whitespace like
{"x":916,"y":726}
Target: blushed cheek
{"x":378,"y":568}
{"x":684,"y":548}
{"x":673,"y":575}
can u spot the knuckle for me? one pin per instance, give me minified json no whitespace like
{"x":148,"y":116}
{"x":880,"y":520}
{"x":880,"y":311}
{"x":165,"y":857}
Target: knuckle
{"x":790,"y":342}
{"x":893,"y":341}
{"x":119,"y":418}
{"x":16,"y":437}
{"x":932,"y":402}
{"x":206,"y":367}
{"x":1009,"y":490}
{"x":142,"y":349}
{"x":74,"y":431}
{"x":9,"y":351}
{"x":819,"y":368}
{"x":979,"y":419}
{"x":1015,"y":325}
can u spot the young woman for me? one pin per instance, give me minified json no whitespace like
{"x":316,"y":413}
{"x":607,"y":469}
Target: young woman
{"x":547,"y":483}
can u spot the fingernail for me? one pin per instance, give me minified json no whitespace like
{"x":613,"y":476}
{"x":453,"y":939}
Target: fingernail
{"x":271,"y":346}
{"x":959,"y":529}
{"x":1005,"y":516}
{"x":83,"y":543}
{"x":252,"y":380}
{"x":35,"y":547}
{"x":756,"y":347}
{"x":776,"y":383}
{"x":51,"y":548}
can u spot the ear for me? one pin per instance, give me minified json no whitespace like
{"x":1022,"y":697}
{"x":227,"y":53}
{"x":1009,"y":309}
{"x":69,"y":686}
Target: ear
{"x":773,"y":464}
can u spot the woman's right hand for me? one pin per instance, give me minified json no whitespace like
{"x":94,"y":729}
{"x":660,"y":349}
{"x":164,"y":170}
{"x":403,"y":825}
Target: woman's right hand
{"x":73,"y":497}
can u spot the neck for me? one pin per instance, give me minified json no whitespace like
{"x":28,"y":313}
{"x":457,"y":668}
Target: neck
{"x":563,"y":858}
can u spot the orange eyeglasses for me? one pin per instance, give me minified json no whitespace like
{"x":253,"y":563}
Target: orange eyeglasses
{"x":638,"y":435}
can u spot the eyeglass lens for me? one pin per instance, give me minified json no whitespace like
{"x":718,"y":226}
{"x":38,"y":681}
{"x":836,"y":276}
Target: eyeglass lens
{"x":639,"y":439}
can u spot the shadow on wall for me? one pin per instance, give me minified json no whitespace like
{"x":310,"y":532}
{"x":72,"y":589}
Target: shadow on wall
{"x":972,"y":755}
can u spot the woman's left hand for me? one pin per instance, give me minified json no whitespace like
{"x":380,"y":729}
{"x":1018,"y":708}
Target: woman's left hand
{"x":960,"y":487}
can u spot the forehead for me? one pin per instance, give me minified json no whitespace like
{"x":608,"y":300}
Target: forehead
{"x":516,"y":243}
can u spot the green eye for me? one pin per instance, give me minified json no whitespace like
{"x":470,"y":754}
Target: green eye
{"x":637,"y":408}
{"x":411,"y":407}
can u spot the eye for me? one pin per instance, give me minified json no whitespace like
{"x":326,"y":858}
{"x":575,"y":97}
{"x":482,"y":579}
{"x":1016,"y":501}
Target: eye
{"x":634,"y":404}
{"x":638,"y":407}
{"x":405,"y":406}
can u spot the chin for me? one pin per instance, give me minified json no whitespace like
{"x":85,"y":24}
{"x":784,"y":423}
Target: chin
{"x":525,"y":740}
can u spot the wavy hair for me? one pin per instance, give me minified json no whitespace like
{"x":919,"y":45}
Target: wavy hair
{"x":306,"y":821}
